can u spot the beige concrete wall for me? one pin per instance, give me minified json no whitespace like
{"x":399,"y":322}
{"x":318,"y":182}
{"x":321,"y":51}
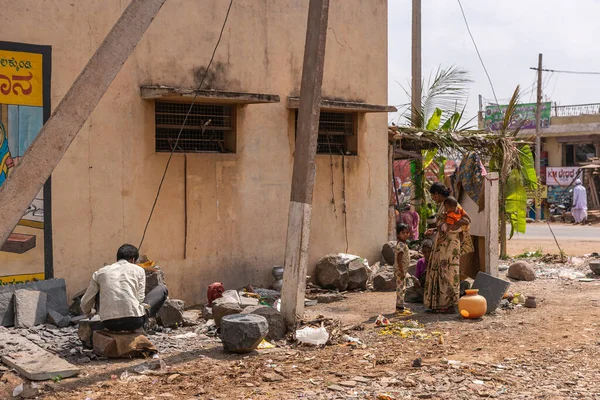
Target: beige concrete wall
{"x":554,"y":150}
{"x":237,"y":203}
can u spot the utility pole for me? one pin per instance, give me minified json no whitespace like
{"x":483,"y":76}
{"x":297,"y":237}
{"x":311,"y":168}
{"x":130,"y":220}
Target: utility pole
{"x":77,"y":105}
{"x":303,"y":176}
{"x":416,"y":61}
{"x":538,"y":139}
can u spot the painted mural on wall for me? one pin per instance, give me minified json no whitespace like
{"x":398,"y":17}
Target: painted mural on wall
{"x":23,"y":110}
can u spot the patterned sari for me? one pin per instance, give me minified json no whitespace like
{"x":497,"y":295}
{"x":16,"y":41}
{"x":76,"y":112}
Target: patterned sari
{"x":442,"y":284}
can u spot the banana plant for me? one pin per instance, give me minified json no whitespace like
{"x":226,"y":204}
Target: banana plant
{"x":515,"y":165}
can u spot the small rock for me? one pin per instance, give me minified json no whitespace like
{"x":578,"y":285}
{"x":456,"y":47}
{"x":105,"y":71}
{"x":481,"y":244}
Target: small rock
{"x":55,"y":318}
{"x":336,"y":388}
{"x":358,"y":274}
{"x":349,"y":384}
{"x":242,"y":333}
{"x":271,"y":377}
{"x":277,"y":326}
{"x":521,"y":271}
{"x":84,"y":360}
{"x":173,"y":378}
{"x":222,"y":307}
{"x":170,"y":314}
{"x":361,"y":379}
{"x":408,"y":382}
{"x":417,"y":363}
{"x":385,"y":280}
{"x":327,"y":297}
{"x":332,"y":272}
{"x":190,"y":318}
{"x":248,"y":384}
{"x":387,"y":252}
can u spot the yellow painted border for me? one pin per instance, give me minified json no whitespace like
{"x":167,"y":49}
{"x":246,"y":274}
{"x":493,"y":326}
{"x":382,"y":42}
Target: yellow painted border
{"x":17,"y":279}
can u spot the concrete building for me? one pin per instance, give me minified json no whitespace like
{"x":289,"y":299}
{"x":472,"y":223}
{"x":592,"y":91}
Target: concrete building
{"x":222,"y":213}
{"x":573,"y":135}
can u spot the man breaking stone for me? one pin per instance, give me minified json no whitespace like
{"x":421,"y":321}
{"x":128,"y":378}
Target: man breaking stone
{"x":122,"y":303}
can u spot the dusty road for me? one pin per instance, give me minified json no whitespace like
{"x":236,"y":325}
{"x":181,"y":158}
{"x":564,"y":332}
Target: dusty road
{"x":551,"y":352}
{"x":575,"y":240}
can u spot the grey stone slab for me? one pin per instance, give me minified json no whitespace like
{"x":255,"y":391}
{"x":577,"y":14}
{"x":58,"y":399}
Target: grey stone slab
{"x":30,"y":308}
{"x":56,"y":298}
{"x":31,"y":361}
{"x":491,"y":288}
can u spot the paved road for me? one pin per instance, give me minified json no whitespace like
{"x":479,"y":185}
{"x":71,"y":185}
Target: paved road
{"x":562,"y":232}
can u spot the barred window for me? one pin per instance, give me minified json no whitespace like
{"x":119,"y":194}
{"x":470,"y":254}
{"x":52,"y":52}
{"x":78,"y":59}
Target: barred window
{"x":337,"y":133}
{"x":210,"y":128}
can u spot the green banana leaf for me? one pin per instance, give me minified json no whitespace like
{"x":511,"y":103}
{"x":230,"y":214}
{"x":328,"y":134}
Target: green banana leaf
{"x":441,"y":162}
{"x":516,"y":203}
{"x":527,"y":167}
{"x":434,"y":122}
{"x":428,"y":156}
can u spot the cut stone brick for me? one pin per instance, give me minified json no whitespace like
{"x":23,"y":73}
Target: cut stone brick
{"x":30,"y":308}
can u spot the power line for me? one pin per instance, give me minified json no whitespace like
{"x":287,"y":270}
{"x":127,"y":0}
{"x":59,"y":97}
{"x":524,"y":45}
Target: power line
{"x":567,"y":72}
{"x":477,"y":50}
{"x":183,"y":124}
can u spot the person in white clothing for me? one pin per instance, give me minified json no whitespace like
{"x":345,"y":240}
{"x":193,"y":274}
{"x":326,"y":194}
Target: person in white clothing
{"x":118,"y":293}
{"x":579,"y":209}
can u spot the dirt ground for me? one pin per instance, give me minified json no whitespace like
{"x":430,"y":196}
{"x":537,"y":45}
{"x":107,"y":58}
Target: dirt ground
{"x":550,"y":352}
{"x":570,"y":247}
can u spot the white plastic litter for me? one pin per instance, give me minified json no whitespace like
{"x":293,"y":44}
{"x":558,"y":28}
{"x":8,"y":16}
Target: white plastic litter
{"x":188,"y":335}
{"x":17,"y":390}
{"x":314,"y":336}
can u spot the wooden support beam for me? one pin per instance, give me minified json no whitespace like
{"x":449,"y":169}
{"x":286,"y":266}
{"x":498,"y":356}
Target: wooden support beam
{"x":303,"y":177}
{"x":491,"y":223}
{"x":58,"y":132}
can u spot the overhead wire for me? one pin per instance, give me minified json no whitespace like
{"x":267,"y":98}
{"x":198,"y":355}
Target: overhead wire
{"x":183,"y":124}
{"x":568,"y":72}
{"x":477,"y":50}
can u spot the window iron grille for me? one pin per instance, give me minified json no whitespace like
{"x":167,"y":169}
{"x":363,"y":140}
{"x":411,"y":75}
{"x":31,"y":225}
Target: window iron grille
{"x":206,"y":128}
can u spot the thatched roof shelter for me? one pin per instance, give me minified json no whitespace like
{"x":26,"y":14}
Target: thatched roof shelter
{"x":410,"y":141}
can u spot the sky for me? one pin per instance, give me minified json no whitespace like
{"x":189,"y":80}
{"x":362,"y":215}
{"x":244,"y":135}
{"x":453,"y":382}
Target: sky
{"x":509,"y":34}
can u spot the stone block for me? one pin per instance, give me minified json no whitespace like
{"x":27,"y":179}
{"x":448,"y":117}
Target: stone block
{"x":122,"y":344}
{"x":170,"y":314}
{"x":387,"y":251}
{"x":242,"y":333}
{"x":207,"y":312}
{"x":493,"y":289}
{"x":86,"y":331}
{"x":332,"y":272}
{"x":521,"y":271}
{"x":385,"y":280}
{"x":30,"y":308}
{"x":154,"y":278}
{"x":55,"y":318}
{"x":358,"y":274}
{"x":222,"y":307}
{"x":56,"y":300}
{"x":277,"y":326}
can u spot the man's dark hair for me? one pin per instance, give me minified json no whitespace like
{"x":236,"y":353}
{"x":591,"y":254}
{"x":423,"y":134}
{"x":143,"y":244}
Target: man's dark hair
{"x":450,"y":201}
{"x":439,"y":188}
{"x":127,"y":252}
{"x":401,"y":228}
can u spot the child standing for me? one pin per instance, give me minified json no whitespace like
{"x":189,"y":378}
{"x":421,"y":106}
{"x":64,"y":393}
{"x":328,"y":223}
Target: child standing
{"x":401,"y":263}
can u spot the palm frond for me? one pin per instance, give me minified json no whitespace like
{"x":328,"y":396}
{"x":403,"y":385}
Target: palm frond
{"x":447,"y":90}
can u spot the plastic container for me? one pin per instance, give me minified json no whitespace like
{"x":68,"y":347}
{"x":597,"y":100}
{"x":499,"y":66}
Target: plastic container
{"x":472,"y":305}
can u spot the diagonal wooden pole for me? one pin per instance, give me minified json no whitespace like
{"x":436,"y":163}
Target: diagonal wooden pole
{"x":303,"y":178}
{"x":58,"y":132}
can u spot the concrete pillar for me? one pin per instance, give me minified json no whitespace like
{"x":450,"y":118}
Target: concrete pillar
{"x":491,"y":222}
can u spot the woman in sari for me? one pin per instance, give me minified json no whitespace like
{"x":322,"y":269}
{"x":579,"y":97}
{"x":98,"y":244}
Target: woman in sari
{"x":442,"y":284}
